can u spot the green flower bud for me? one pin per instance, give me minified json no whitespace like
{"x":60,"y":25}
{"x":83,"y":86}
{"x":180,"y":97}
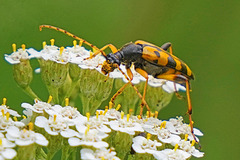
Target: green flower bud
{"x":74,"y":72}
{"x":54,"y":74}
{"x":22,"y":73}
{"x":93,"y":90}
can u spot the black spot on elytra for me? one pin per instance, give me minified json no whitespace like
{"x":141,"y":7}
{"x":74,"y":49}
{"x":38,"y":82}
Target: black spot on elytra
{"x":171,"y":63}
{"x":157,"y":53}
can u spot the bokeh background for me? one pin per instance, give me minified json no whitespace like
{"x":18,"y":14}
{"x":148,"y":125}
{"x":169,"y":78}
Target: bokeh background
{"x":205,"y":34}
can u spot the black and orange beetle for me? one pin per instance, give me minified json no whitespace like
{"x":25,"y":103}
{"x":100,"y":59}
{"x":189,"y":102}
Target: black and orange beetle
{"x":148,"y":59}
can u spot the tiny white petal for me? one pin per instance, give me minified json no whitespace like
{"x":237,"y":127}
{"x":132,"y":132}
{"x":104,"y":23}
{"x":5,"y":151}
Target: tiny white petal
{"x":68,"y":133}
{"x":41,"y":121}
{"x":9,"y":153}
{"x":74,"y":142}
{"x":21,"y":142}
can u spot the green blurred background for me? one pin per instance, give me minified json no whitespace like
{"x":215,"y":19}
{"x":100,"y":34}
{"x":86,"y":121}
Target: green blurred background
{"x":205,"y":34}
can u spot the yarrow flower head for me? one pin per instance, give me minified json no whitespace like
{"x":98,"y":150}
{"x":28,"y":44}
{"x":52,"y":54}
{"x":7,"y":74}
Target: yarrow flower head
{"x":145,"y":145}
{"x":69,"y":114}
{"x":17,"y":55}
{"x":98,"y":154}
{"x":6,"y":148}
{"x":38,"y":106}
{"x":55,"y":125}
{"x":25,"y":137}
{"x":126,"y":125}
{"x":91,"y":137}
{"x":4,"y":109}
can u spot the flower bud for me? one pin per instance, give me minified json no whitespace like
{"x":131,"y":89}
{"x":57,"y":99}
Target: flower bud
{"x":22,"y":73}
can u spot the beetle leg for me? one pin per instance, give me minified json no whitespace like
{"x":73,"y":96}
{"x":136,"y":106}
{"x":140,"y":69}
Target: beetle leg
{"x":167,"y":46}
{"x":129,"y":72}
{"x":112,"y":47}
{"x":118,"y":92}
{"x":179,"y":96}
{"x":135,"y":88}
{"x":130,"y":75}
{"x":174,"y":77}
{"x":145,"y":75}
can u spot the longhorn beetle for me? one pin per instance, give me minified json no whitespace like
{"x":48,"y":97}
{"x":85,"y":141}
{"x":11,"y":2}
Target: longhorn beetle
{"x":148,"y":59}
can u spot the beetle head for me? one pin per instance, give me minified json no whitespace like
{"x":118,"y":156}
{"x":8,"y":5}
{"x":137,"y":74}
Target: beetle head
{"x":111,"y":63}
{"x":108,"y":67}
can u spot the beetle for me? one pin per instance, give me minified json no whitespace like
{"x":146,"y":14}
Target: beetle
{"x":148,"y":59}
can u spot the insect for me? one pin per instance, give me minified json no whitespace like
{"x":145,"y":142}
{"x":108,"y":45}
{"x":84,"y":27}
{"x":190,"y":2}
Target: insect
{"x":148,"y":59}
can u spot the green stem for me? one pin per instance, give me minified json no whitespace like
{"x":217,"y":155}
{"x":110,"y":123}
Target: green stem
{"x":30,"y":92}
{"x":51,"y":154}
{"x":73,"y":155}
{"x":40,"y":154}
{"x":85,"y":104}
{"x":27,"y":152}
{"x":65,"y":150}
{"x":70,"y":90}
{"x":53,"y":91}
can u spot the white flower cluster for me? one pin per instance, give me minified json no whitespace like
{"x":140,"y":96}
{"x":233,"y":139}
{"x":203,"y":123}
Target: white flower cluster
{"x":76,"y":55}
{"x":14,"y":134}
{"x":149,"y":135}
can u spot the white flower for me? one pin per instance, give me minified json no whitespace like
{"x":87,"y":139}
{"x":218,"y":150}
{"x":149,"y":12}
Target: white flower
{"x":169,"y":87}
{"x":93,"y":63}
{"x":169,"y":154}
{"x":38,"y":107}
{"x":37,"y":70}
{"x":126,"y":125}
{"x":62,"y":56}
{"x":48,"y":52}
{"x":6,"y":151}
{"x":165,"y":136}
{"x":99,"y":154}
{"x":33,"y":53}
{"x":151,"y":121}
{"x":28,"y":113}
{"x":16,"y":56}
{"x":143,"y":145}
{"x":55,"y":125}
{"x":176,"y":126}
{"x":155,"y":82}
{"x":189,"y":148}
{"x":25,"y":137}
{"x":93,"y":123}
{"x":6,"y":122}
{"x":4,"y":109}
{"x":113,"y":114}
{"x":77,"y":54}
{"x":68,"y":113}
{"x":90,"y":138}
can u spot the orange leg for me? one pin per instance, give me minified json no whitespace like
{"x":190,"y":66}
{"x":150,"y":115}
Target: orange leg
{"x":190,"y":108}
{"x":145,"y":75}
{"x":73,"y":36}
{"x":176,"y":92}
{"x":118,"y":92}
{"x":112,"y":47}
{"x":173,"y":77}
{"x":129,"y":73}
{"x":138,"y":93}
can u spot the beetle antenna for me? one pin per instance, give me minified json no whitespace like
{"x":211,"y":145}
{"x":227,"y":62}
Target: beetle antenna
{"x":73,"y":36}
